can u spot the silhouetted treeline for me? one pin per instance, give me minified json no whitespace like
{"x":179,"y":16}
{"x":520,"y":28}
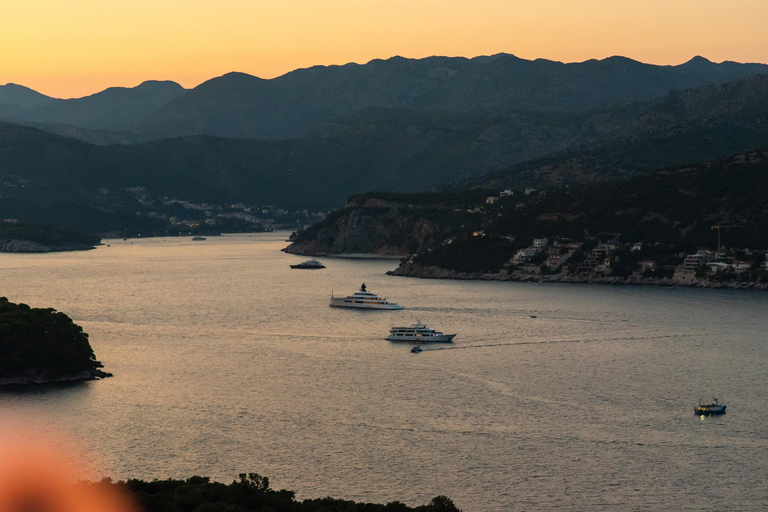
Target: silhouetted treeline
{"x":251,"y":493}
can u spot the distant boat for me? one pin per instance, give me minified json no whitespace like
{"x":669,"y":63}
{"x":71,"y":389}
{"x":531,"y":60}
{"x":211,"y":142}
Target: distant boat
{"x":416,"y":350}
{"x":710,"y":409}
{"x":309,"y":264}
{"x":198,"y":238}
{"x":363,"y":300}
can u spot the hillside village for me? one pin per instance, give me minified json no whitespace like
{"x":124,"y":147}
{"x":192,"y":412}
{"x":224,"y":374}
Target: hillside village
{"x":181,"y":216}
{"x":636,"y":262}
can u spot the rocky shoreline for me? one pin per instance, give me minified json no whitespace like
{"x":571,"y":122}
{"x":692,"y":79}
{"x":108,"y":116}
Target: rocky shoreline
{"x":411,"y":270}
{"x":35,"y":377}
{"x":36,"y":247}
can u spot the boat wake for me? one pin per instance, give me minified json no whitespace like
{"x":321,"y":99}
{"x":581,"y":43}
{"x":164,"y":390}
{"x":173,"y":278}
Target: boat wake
{"x":553,"y":342}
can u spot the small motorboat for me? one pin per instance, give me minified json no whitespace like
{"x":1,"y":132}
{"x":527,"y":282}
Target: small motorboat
{"x":416,"y":350}
{"x":709,"y":409}
{"x":198,"y":238}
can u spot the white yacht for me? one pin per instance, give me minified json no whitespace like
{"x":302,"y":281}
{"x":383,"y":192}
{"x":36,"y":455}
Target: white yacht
{"x":418,"y":332}
{"x":363,"y":299}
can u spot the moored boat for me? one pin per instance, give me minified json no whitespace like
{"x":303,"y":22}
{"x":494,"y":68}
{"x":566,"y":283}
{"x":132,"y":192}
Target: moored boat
{"x":363,"y":299}
{"x":416,"y":350}
{"x":418,"y":332}
{"x":709,"y":409}
{"x":309,"y":264}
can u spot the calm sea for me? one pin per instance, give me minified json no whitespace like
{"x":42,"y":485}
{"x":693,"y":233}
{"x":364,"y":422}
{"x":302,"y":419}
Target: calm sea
{"x":228,"y":361}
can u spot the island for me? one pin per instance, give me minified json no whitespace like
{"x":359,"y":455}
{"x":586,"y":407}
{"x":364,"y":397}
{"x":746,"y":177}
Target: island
{"x":26,"y":237}
{"x":42,"y":345}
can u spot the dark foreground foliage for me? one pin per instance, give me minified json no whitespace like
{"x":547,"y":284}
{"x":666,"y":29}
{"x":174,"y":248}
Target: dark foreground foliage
{"x":42,"y":340}
{"x":251,"y":493}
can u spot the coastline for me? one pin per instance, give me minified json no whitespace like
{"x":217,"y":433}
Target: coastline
{"x":359,"y":256}
{"x":417,"y":271}
{"x":37,"y":377}
{"x":343,"y":255}
{"x":25,"y":246}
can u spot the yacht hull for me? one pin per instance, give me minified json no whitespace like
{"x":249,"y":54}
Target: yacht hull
{"x":443,"y":338}
{"x":345,"y":303}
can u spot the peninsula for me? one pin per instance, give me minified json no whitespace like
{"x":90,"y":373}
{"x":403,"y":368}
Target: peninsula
{"x":693,"y":225}
{"x":42,"y":345}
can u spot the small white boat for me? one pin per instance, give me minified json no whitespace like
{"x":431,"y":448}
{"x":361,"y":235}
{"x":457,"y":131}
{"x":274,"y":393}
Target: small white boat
{"x":309,"y":264}
{"x":418,"y":332}
{"x":363,"y":300}
{"x":709,"y":409}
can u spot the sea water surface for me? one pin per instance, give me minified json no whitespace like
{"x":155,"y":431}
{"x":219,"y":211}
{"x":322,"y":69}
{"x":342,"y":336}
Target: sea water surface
{"x":228,"y":361}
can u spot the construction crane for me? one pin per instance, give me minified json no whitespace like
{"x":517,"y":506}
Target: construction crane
{"x":718,"y":227}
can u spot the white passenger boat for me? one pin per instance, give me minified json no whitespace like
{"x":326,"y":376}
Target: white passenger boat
{"x":418,"y":332}
{"x":363,"y":299}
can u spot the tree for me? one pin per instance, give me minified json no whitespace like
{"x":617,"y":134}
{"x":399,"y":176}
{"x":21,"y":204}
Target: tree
{"x":442,"y":504}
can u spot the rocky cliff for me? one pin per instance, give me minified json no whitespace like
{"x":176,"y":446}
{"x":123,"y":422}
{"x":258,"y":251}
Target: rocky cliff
{"x":374,"y":225}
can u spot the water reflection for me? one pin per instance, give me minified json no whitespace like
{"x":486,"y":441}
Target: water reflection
{"x":227,"y":361}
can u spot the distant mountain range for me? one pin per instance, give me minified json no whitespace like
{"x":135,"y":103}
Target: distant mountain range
{"x":114,"y":109}
{"x":298,"y":103}
{"x":395,"y":126}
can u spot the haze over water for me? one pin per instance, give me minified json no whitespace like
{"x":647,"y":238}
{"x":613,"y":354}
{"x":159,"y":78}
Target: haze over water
{"x":228,"y":361}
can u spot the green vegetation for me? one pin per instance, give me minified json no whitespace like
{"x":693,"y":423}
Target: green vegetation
{"x":42,"y":340}
{"x":251,"y":493}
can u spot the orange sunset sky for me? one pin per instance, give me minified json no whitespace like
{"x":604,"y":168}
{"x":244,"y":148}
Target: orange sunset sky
{"x":78,"y":47}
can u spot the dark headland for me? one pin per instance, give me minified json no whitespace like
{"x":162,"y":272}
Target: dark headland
{"x":700,"y":225}
{"x":42,"y":345}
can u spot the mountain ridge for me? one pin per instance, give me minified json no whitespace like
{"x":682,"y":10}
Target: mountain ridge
{"x":114,"y":108}
{"x":386,"y":150}
{"x":297,"y":103}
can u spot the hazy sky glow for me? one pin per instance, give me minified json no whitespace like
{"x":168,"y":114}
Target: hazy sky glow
{"x":78,"y":47}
